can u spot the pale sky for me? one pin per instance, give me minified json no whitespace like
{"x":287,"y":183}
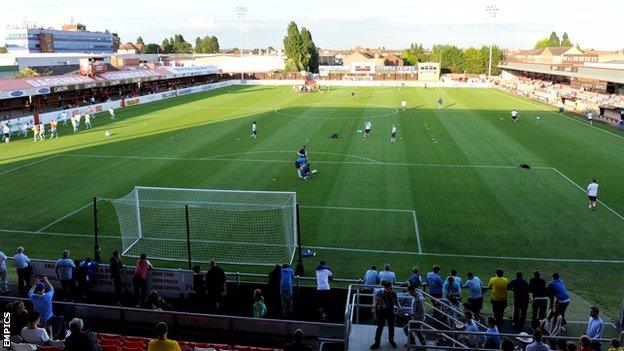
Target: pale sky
{"x":337,"y":24}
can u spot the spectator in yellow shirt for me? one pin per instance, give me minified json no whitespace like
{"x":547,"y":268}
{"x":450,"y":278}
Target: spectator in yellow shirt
{"x":499,"y":284}
{"x":162,"y":343}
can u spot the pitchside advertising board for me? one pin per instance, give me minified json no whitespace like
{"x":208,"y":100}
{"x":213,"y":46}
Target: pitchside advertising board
{"x":173,"y":283}
{"x":366,"y":68}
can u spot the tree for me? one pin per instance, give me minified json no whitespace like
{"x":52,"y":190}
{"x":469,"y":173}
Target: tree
{"x":293,"y":48}
{"x":3,"y":49}
{"x":542,"y":43}
{"x":140,"y":41}
{"x":310,"y":52}
{"x":180,"y":46}
{"x":449,"y":56}
{"x":497,"y":58}
{"x":473,"y":61}
{"x":167,"y":47}
{"x":151,"y":48}
{"x":207,"y":45}
{"x":565,"y":41}
{"x":30,"y":73}
{"x":554,"y":39}
{"x":416,"y":53}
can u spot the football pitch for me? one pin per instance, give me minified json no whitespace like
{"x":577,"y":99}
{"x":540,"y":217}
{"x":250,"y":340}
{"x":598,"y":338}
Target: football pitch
{"x":450,"y":190}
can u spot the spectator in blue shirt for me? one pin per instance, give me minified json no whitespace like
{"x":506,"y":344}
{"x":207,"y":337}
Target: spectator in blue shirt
{"x":475,"y":294}
{"x":387,"y":274}
{"x":558,"y":291}
{"x":457,"y":279}
{"x":493,"y":340}
{"x":435,"y":282}
{"x":594,"y":325}
{"x":451,"y":289}
{"x":24,"y":271}
{"x":286,"y":290}
{"x":40,"y":296}
{"x":414,"y":279}
{"x":64,"y":268}
{"x":371,"y":277}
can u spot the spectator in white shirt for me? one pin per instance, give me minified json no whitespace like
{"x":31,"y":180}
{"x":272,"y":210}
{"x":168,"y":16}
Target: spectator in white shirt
{"x":4,"y":286}
{"x":32,"y":334}
{"x":323,"y":276}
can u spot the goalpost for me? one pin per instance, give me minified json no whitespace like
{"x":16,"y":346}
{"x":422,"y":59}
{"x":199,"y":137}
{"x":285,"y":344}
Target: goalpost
{"x":228,"y":226}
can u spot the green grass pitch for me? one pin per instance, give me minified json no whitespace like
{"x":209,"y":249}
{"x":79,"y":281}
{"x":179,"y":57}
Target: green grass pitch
{"x":449,"y":191}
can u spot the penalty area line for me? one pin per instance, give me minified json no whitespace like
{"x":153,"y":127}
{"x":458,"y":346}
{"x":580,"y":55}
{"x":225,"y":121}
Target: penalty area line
{"x":510,"y":258}
{"x":67,"y":215}
{"x":29,"y":164}
{"x":29,"y":232}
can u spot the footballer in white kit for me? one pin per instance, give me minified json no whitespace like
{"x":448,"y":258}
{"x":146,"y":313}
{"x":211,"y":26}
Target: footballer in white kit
{"x":393,"y":132}
{"x":514,"y":115}
{"x":254,"y":130}
{"x":590,"y":117}
{"x":403,"y":105}
{"x":592,"y":194}
{"x":112,"y":113}
{"x":367,"y":128}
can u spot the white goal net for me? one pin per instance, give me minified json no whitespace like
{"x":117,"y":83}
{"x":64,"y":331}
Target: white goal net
{"x":236,"y":227}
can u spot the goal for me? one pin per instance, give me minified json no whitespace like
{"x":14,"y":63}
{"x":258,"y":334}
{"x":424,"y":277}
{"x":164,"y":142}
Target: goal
{"x":228,"y":226}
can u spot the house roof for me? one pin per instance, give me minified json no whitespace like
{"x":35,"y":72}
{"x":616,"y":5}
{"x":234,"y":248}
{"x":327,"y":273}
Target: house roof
{"x":558,"y":50}
{"x":529,"y":52}
{"x":131,"y":46}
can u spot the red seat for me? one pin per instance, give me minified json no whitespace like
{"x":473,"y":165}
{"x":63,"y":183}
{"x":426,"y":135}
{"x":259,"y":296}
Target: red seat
{"x":215,"y":346}
{"x":134,"y":348}
{"x":135,"y":343}
{"x":263,"y":349}
{"x":112,"y":342}
{"x":111,"y":348}
{"x":242,"y":348}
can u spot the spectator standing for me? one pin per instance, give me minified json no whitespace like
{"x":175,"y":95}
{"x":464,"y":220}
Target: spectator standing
{"x":594,"y":325}
{"x":4,"y":285}
{"x":157,"y":303}
{"x":24,"y":271}
{"x":418,"y":314}
{"x":139,"y":279}
{"x":161,"y":343}
{"x":80,"y":278}
{"x":537,"y":287}
{"x":286,"y":290}
{"x":371,"y":277}
{"x":414,"y":279}
{"x":492,"y":339}
{"x":275,"y":298}
{"x":558,"y":291}
{"x":383,"y":311}
{"x":498,"y":284}
{"x":451,"y":289}
{"x":198,"y":283}
{"x":115,"y":266}
{"x":297,"y":344}
{"x":80,"y":340}
{"x":323,"y":276}
{"x":475,"y":294}
{"x":435,"y":282}
{"x":457,"y":280}
{"x":215,"y":284}
{"x":40,"y":296}
{"x":64,"y":268}
{"x":537,"y":344}
{"x":520,"y":288}
{"x":387,"y":274}
{"x":259,"y":307}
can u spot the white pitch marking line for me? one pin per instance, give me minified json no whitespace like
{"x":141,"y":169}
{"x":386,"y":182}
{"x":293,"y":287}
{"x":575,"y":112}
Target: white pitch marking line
{"x":67,"y":215}
{"x":583,"y":190}
{"x":570,"y":260}
{"x":290,"y":152}
{"x":29,"y":164}
{"x":417,"y":232}
{"x":371,"y":162}
{"x":553,"y":112}
{"x":57,"y":234}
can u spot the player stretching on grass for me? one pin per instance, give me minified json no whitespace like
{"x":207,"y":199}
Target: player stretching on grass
{"x":254,"y":130}
{"x":514,"y":115}
{"x":393,"y":134}
{"x":403,"y":105}
{"x":592,"y":194}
